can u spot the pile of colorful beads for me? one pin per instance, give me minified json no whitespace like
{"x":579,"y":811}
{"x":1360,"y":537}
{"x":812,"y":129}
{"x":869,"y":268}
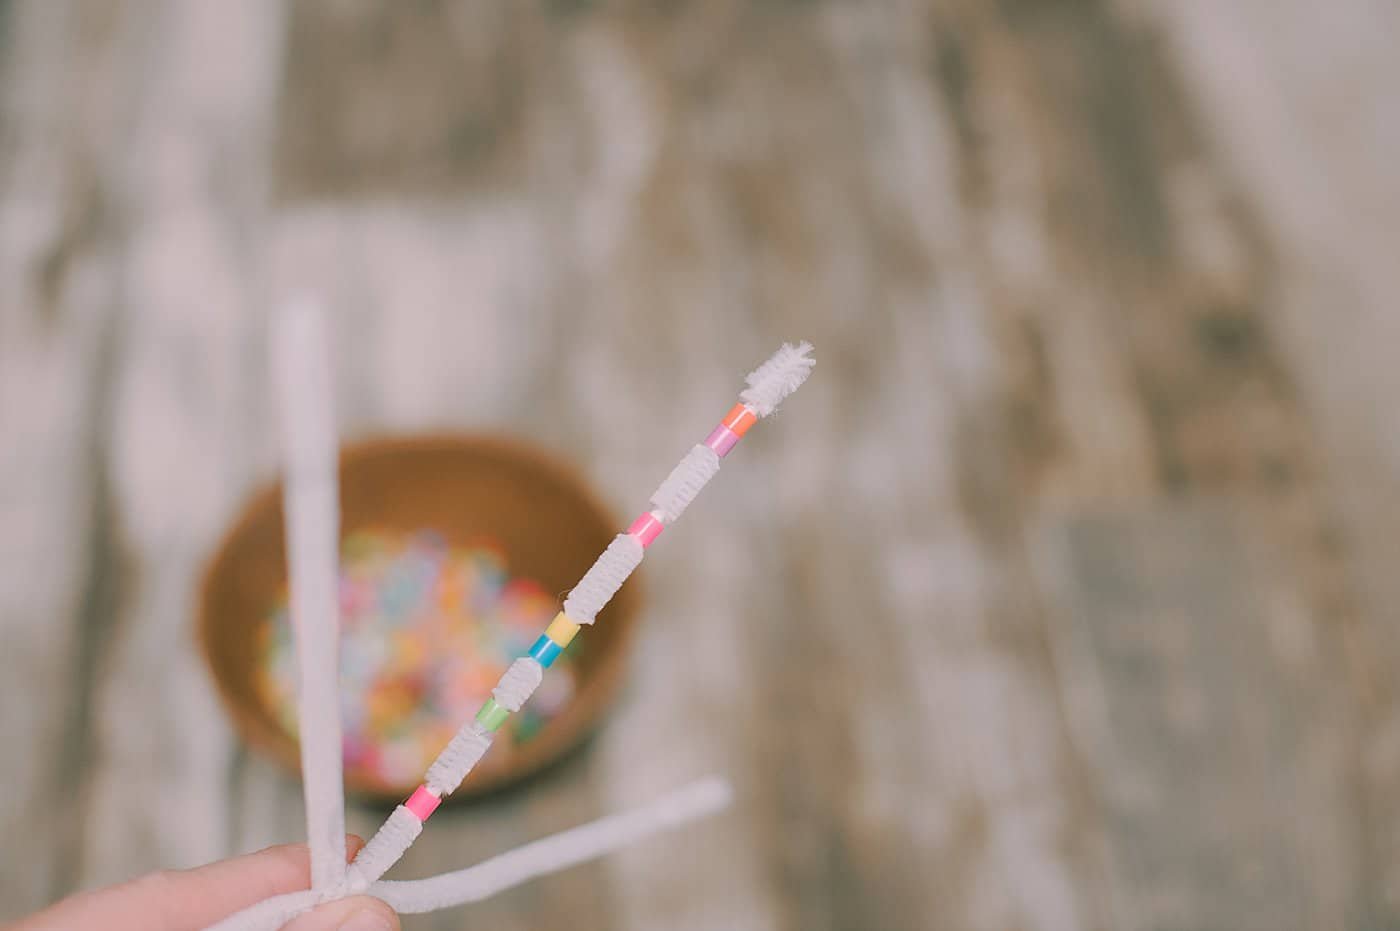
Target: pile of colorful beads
{"x":426,"y":631}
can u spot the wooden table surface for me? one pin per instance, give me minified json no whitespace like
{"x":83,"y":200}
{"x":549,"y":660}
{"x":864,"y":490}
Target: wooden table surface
{"x":1060,"y":598}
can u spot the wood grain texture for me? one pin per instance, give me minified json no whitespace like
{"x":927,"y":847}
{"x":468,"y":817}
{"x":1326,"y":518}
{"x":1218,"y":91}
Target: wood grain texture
{"x":57,"y":581}
{"x":1059,"y":598}
{"x":1200,"y":734}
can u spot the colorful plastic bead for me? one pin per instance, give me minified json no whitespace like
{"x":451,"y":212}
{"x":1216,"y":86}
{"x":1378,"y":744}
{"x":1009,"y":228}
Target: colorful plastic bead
{"x":646,"y":528}
{"x":422,"y":803}
{"x":545,"y":651}
{"x":739,"y":419}
{"x":561,"y":630}
{"x":722,"y":440}
{"x":492,"y":715}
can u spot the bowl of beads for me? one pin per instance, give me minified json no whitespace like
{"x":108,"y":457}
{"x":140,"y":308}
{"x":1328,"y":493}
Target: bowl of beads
{"x":455,"y":551}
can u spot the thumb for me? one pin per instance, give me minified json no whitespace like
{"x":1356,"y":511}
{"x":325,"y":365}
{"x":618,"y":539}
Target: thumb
{"x":361,"y":913}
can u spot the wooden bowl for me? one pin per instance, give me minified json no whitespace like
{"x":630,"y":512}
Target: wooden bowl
{"x":549,"y":524}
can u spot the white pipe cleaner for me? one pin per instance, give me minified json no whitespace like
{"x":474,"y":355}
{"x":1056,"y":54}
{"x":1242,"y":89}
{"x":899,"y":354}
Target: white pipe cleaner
{"x":452,"y":764}
{"x":780,"y":376}
{"x":538,"y":858}
{"x":557,"y":851}
{"x":685,"y":482}
{"x":302,"y":367}
{"x":783,"y":373}
{"x":603,"y":578}
{"x":518,"y":683}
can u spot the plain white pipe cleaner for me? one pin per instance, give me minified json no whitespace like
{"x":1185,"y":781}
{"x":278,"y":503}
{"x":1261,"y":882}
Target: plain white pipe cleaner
{"x":557,"y":851}
{"x":603,"y":578}
{"x":518,"y":683}
{"x":685,"y":482}
{"x":384,"y":849}
{"x":302,"y":368}
{"x":304,"y":379}
{"x":452,"y":765}
{"x":537,"y":858}
{"x":780,"y":376}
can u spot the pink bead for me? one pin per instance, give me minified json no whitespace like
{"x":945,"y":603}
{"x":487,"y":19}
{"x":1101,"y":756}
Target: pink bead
{"x":422,"y":803}
{"x":721,"y":440}
{"x":646,"y":528}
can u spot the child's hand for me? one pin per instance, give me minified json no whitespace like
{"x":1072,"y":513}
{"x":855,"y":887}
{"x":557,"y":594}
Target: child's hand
{"x":187,"y":900}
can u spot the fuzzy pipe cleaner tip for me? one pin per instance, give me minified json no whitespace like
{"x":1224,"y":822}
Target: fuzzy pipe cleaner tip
{"x":780,"y":376}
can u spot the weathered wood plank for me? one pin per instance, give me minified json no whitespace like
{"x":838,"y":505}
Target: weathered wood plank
{"x":1179,"y":301}
{"x":660,"y":248}
{"x":57,"y":327}
{"x":649,"y":229}
{"x":1314,"y":151}
{"x":1038,"y":292}
{"x":181,"y":442}
{"x":1181,"y":679}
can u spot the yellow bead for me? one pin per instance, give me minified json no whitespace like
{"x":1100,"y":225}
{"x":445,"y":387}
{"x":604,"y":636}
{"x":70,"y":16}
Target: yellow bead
{"x":561,"y":630}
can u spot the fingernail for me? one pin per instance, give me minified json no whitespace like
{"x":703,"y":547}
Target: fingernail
{"x":366,"y":919}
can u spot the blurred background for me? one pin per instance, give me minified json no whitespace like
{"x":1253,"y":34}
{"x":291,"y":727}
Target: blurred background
{"x":1059,"y":598}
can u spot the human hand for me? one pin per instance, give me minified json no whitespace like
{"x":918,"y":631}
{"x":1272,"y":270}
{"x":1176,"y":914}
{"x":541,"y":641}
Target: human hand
{"x":188,"y":900}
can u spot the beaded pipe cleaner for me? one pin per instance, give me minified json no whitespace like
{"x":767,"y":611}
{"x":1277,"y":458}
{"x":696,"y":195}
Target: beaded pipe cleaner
{"x":311,"y":472}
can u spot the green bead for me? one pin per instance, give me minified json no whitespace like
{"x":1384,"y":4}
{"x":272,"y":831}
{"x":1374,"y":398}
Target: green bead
{"x":492,"y":715}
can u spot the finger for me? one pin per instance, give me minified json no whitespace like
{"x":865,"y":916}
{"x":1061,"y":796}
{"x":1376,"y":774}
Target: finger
{"x":358,"y":914}
{"x":208,"y":893}
{"x":177,"y":900}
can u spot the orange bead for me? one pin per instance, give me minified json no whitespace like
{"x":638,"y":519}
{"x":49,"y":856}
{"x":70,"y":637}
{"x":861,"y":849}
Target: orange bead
{"x":739,"y":419}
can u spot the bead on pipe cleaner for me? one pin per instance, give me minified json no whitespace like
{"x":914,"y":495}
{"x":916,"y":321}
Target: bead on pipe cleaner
{"x":722,"y":440}
{"x":603,"y":579}
{"x":492,"y":715}
{"x":561,"y":630}
{"x":545,"y":651}
{"x":646,"y":528}
{"x":739,"y":419}
{"x":422,"y":803}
